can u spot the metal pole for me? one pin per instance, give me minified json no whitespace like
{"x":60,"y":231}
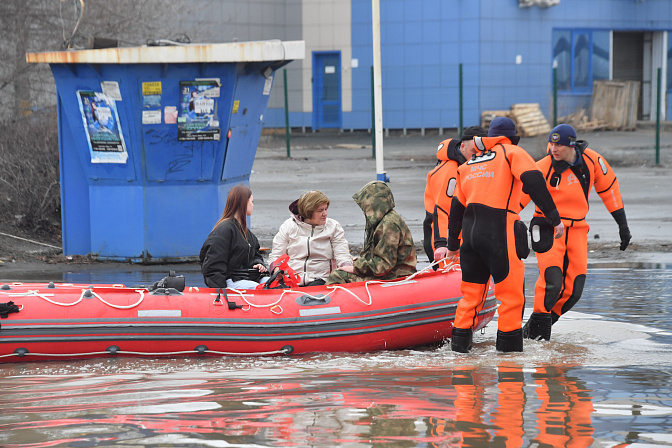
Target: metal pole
{"x":373,"y":118}
{"x":377,"y":90}
{"x":555,"y":95}
{"x":461,"y":109}
{"x":658,"y":95}
{"x":284,"y":74}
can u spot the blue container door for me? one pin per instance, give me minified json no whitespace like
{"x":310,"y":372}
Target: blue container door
{"x":326,"y":89}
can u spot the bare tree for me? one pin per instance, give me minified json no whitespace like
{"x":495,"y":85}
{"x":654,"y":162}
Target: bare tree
{"x":49,"y":25}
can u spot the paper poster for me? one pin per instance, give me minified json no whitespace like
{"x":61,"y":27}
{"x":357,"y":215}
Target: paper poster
{"x":151,"y":116}
{"x":151,"y":95}
{"x":267,"y":85}
{"x":103,"y":130}
{"x":170,"y":114}
{"x":151,"y":88}
{"x":151,"y":101}
{"x":111,"y":89}
{"x":197,"y":118}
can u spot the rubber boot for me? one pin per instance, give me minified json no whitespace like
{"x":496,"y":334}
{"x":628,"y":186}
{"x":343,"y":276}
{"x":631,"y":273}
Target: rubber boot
{"x":538,"y":327}
{"x":461,"y":340}
{"x":508,"y":341}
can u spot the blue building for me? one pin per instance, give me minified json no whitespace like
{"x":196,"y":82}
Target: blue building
{"x":507,"y":50}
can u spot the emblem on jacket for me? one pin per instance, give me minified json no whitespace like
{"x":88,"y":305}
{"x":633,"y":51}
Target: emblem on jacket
{"x":482,"y":157}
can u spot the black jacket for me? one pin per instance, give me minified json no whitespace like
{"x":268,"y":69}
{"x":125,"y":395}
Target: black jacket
{"x":224,"y":250}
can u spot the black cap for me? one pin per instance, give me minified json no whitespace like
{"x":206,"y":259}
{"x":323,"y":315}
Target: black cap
{"x":473,"y":131}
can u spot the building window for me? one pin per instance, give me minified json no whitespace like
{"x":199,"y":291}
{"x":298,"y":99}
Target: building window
{"x":581,"y":56}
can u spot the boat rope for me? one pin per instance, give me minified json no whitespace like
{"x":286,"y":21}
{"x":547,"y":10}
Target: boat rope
{"x":119,"y":307}
{"x":452,"y":266}
{"x":31,"y":293}
{"x":86,"y":294}
{"x":282,"y":351}
{"x":89,"y":293}
{"x":366,"y":285}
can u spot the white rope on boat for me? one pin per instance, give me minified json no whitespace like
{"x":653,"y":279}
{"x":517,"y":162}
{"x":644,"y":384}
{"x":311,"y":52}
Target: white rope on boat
{"x":451,"y":267}
{"x":120,"y":307}
{"x":128,"y":352}
{"x":31,"y":293}
{"x":45,"y":296}
{"x":339,"y":287}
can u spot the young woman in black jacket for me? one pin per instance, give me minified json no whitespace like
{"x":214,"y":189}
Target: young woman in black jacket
{"x":230,"y":256}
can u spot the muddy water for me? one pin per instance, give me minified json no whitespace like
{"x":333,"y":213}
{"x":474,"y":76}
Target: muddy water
{"x":604,"y":380}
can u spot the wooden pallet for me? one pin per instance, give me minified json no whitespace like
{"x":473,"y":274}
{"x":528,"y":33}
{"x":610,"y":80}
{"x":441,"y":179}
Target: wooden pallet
{"x":488,"y":115}
{"x":529,"y":119}
{"x":580,"y":122}
{"x":615,"y":103}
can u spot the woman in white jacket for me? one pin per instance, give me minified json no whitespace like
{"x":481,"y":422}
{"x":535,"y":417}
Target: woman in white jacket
{"x":315,"y":243}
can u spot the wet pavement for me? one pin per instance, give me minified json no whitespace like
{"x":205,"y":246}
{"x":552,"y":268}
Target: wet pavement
{"x":339,"y":163}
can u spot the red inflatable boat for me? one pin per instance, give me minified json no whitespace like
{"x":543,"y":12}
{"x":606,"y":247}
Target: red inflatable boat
{"x":66,"y":321}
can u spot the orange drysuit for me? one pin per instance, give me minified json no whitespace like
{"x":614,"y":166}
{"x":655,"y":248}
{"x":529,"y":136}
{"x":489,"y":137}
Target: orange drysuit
{"x":485,"y":208}
{"x":439,"y":194}
{"x":562,"y":270}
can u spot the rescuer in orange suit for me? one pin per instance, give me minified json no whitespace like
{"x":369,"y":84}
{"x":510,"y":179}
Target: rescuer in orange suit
{"x":494,"y":240}
{"x":440,"y":188}
{"x":570,"y":169}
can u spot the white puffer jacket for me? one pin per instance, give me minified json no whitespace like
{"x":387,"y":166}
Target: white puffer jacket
{"x":313,"y":250}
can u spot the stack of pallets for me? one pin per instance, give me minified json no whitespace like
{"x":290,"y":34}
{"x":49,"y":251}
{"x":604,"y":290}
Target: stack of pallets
{"x":529,"y":119}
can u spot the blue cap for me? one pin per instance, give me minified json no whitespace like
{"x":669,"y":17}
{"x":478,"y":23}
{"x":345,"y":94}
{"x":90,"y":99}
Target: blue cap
{"x":502,"y":126}
{"x":563,"y":134}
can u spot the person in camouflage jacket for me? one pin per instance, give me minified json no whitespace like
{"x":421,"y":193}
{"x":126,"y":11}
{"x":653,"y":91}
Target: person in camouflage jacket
{"x":389,"y":251}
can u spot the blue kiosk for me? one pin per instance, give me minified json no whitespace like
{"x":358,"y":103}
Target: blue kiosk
{"x":151,"y":139}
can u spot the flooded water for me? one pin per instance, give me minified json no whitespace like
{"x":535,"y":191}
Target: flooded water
{"x":604,"y":381}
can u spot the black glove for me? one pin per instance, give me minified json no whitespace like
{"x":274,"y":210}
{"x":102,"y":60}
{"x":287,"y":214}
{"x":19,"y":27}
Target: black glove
{"x":624,"y":233}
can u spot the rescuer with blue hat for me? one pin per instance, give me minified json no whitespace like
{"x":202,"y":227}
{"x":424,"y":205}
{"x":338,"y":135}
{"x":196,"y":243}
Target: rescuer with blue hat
{"x":571,"y":171}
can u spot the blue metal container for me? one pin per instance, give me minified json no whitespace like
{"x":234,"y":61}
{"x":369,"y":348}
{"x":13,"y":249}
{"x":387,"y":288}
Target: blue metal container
{"x":151,"y":139}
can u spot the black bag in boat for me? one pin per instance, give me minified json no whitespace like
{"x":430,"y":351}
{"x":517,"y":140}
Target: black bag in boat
{"x":252,"y":274}
{"x":6,"y":308}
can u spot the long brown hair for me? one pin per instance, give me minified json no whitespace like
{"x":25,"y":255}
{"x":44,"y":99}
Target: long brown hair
{"x":236,"y":206}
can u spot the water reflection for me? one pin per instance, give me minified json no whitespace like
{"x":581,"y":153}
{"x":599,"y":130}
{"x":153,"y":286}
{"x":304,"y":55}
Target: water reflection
{"x":193,"y":404}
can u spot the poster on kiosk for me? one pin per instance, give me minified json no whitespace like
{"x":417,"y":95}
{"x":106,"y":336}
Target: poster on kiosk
{"x":103,"y":130}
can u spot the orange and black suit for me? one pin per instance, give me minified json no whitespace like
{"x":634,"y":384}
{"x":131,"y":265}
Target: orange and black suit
{"x":485,"y":208}
{"x":562,"y":270}
{"x":439,"y":192}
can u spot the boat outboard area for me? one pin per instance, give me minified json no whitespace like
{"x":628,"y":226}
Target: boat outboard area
{"x":50,"y":321}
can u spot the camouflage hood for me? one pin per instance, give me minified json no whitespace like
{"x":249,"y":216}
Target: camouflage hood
{"x":376,"y":200}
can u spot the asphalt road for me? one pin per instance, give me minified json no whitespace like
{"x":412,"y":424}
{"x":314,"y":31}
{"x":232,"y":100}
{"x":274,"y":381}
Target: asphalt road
{"x":340,"y":163}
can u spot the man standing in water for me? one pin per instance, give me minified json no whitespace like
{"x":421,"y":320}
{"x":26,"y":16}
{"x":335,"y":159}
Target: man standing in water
{"x":494,"y":240}
{"x":570,"y":169}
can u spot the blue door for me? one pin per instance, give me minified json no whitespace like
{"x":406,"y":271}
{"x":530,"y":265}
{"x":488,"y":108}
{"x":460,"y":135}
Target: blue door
{"x":326,"y":89}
